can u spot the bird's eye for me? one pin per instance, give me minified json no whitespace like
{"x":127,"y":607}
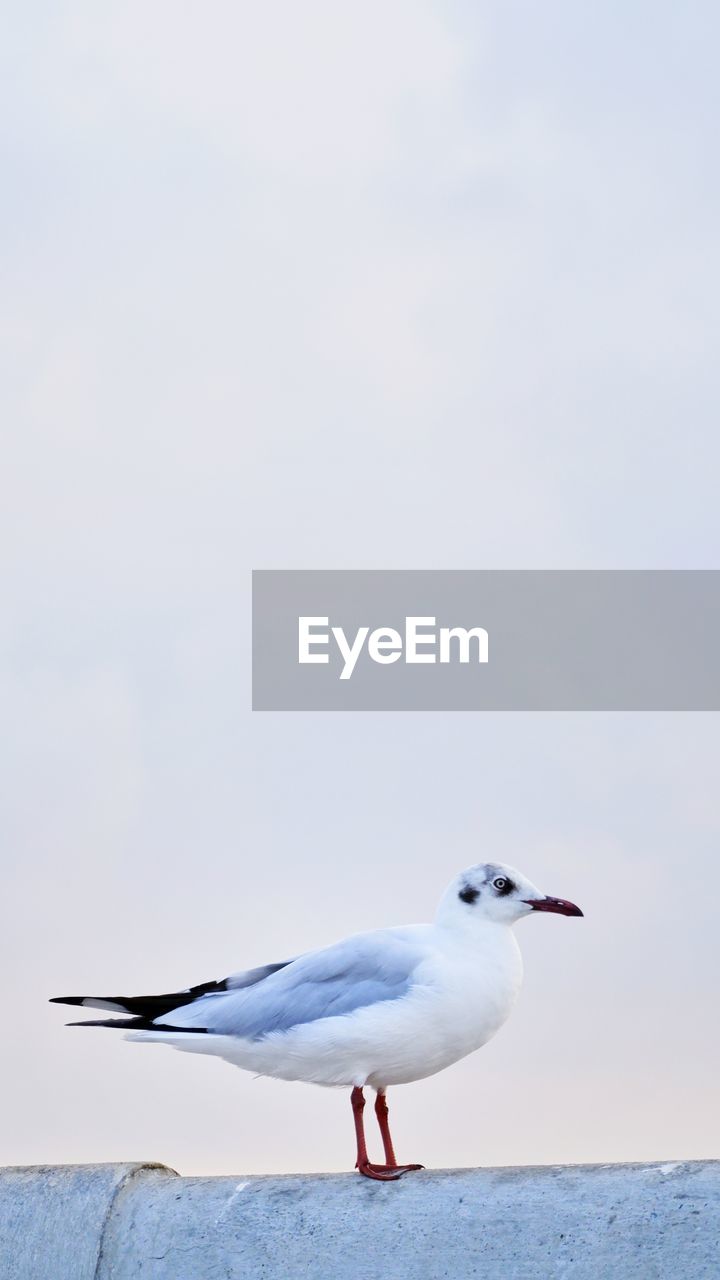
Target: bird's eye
{"x":500,"y":883}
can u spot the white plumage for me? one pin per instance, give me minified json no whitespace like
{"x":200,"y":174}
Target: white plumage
{"x":376,"y":1009}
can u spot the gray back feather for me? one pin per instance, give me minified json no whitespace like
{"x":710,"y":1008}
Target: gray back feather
{"x":350,"y":975}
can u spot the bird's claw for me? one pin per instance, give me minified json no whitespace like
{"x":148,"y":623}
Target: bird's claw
{"x":386,"y":1172}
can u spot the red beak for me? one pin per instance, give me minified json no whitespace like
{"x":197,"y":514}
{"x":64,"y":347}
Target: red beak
{"x":557,"y":905}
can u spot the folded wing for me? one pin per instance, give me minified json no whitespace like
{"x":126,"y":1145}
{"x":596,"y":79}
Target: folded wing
{"x":340,"y":979}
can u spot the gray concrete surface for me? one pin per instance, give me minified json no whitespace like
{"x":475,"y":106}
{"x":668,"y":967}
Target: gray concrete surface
{"x":99,"y":1222}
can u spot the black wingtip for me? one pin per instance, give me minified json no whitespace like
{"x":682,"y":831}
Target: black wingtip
{"x":67,"y":1000}
{"x":138,"y":1024}
{"x":105,"y":1022}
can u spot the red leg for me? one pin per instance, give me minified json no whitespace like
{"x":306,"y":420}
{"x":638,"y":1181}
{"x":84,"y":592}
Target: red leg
{"x":381,"y":1111}
{"x":389,"y":1172}
{"x":357,"y":1100}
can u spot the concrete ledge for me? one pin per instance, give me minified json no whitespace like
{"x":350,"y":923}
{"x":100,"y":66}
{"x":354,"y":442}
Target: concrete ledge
{"x":623,"y":1222}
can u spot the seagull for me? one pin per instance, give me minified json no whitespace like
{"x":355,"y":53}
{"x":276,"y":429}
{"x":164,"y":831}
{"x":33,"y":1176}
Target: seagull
{"x":375,"y":1010}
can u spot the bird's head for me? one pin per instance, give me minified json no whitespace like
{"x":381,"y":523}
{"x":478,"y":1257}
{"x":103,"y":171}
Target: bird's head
{"x":491,"y":891}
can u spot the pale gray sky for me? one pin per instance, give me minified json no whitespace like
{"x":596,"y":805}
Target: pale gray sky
{"x":371,"y":285}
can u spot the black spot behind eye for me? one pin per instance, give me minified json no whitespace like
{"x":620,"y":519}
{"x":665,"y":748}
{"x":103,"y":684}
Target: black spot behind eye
{"x":468,"y":894}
